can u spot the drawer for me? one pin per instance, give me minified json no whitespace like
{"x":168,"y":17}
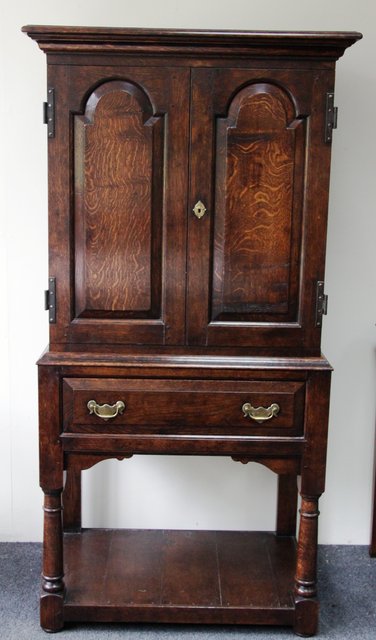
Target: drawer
{"x":183,"y":406}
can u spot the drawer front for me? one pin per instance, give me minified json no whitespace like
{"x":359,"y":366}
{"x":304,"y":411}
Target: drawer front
{"x":183,"y":406}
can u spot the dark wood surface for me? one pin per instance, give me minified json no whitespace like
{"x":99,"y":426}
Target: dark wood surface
{"x":180,"y":576}
{"x":185,"y":319}
{"x":287,"y":505}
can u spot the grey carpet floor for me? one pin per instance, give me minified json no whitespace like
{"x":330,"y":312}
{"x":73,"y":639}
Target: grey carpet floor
{"x":347,"y":584}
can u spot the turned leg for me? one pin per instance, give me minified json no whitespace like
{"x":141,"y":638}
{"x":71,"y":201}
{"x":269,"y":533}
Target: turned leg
{"x":72,"y":501}
{"x":51,"y":604}
{"x":286,"y":505}
{"x":306,"y":604}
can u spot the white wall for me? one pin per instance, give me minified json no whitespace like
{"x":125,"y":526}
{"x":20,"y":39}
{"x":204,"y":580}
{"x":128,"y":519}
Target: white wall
{"x":189,"y":492}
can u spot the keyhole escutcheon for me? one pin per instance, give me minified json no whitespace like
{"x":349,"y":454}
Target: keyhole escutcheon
{"x":199,"y":209}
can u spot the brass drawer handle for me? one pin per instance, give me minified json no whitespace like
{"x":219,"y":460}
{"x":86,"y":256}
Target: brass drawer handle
{"x":260,"y":414}
{"x":106,"y":411}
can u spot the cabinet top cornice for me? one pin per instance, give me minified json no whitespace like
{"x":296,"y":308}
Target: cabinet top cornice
{"x":307,"y":44}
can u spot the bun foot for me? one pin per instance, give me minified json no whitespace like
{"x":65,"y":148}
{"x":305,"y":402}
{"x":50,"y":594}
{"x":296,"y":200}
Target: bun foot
{"x":51,"y":613}
{"x":306,"y":617}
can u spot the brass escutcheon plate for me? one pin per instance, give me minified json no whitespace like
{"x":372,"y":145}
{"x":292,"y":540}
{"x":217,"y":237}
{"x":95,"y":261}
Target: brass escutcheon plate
{"x":199,"y":209}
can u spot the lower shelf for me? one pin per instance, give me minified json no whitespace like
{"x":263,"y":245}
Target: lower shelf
{"x":179,"y":576}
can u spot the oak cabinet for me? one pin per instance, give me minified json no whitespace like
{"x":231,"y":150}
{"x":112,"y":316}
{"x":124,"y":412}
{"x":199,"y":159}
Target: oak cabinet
{"x":134,"y":150}
{"x":188,"y":192}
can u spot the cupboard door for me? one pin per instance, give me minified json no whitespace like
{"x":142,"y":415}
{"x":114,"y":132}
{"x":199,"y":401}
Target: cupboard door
{"x":117,"y":166}
{"x":260,"y":166}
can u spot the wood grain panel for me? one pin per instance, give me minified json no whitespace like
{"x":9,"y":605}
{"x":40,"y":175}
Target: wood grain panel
{"x":118,"y":176}
{"x":258,"y":207}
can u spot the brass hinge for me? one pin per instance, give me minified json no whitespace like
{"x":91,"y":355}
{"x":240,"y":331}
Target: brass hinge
{"x":321,"y":303}
{"x":330,"y":117}
{"x":50,"y":300}
{"x":49,"y":112}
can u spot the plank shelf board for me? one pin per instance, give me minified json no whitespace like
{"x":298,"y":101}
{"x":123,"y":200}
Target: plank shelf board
{"x":179,"y":576}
